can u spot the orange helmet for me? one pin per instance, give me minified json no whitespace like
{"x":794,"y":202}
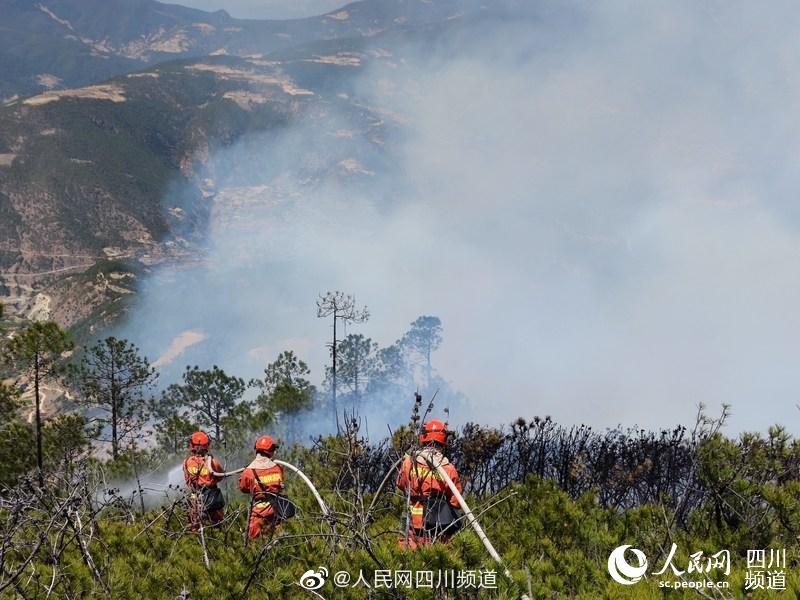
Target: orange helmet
{"x":266,"y":444}
{"x":433,"y":431}
{"x":198,"y":441}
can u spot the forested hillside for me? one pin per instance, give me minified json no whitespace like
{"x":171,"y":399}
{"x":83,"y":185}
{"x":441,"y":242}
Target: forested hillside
{"x":105,"y":510}
{"x":60,"y":44}
{"x":569,"y":372}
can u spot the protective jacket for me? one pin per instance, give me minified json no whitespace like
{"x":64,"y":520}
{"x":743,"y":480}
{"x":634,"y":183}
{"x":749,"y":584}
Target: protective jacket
{"x":419,"y":477}
{"x":263,"y":480}
{"x":197,"y":474}
{"x":205,"y":497}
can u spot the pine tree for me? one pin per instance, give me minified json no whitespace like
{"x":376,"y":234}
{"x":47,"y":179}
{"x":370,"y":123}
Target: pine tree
{"x":285,"y":389}
{"x":15,"y":433}
{"x":356,"y":355}
{"x":113,"y":378}
{"x":342,"y":307}
{"x":207,"y":396}
{"x":390,"y":373}
{"x":424,"y":338}
{"x":36,"y":351}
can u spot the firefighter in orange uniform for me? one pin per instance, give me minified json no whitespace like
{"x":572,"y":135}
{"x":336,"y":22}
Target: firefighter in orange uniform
{"x":205,"y":498}
{"x":263,"y":480}
{"x":432,"y":504}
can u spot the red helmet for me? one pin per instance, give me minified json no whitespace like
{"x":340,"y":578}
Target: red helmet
{"x":199,"y":441}
{"x":266,"y":444}
{"x":433,"y":431}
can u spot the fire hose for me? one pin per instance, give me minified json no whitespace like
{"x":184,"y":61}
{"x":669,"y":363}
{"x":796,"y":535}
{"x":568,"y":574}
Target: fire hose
{"x":377,"y":493}
{"x":473,"y":521}
{"x":471,"y":518}
{"x":323,"y":507}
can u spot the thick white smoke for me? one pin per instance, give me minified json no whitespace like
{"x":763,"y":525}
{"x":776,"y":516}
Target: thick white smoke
{"x":598,"y":202}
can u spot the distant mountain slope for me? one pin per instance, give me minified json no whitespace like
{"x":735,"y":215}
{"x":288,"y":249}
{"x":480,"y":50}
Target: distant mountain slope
{"x":117,"y":169}
{"x":117,"y":173}
{"x":51,"y":44}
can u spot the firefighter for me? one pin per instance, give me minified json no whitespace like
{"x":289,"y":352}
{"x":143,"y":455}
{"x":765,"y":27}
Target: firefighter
{"x":205,"y":498}
{"x":432,"y":504}
{"x":263,"y":480}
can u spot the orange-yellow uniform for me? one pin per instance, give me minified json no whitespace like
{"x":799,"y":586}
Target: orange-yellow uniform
{"x":197,"y":473}
{"x":263,"y":480}
{"x":423,"y":481}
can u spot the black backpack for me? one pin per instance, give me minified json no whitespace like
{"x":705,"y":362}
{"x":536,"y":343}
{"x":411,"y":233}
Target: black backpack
{"x":283,"y":507}
{"x":212,"y":499}
{"x":440,"y":516}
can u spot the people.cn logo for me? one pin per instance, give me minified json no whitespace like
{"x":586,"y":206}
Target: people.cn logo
{"x":621,"y":570}
{"x":313,"y":580}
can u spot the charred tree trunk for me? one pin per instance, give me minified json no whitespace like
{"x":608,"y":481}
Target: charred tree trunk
{"x":217,"y":428}
{"x":39,"y":459}
{"x":114,"y":415}
{"x":333,"y":376}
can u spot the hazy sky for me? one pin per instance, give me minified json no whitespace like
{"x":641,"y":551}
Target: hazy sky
{"x":266,"y":9}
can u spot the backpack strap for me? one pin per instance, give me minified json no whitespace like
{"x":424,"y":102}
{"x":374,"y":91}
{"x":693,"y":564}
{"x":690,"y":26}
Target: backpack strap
{"x":260,"y":485}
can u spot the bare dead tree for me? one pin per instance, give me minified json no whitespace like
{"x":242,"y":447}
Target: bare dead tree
{"x":342,"y":307}
{"x":41,"y":525}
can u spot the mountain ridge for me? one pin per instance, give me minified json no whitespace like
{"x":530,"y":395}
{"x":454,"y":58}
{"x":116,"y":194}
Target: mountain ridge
{"x":117,"y":171}
{"x":100,"y":181}
{"x":56,"y":44}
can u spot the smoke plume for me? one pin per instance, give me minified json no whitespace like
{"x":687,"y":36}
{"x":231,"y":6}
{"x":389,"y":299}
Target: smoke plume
{"x":598,"y":200}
